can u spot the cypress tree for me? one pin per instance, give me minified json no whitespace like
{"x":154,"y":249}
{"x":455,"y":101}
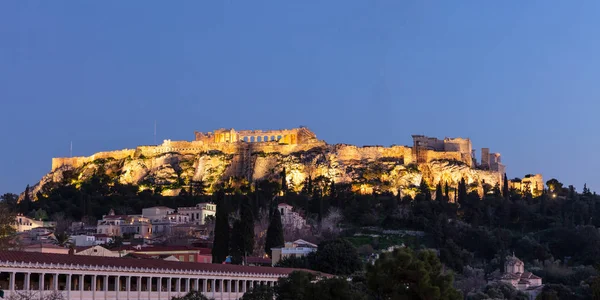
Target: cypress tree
{"x":462,"y":191}
{"x":543,"y":203}
{"x":284,"y":186}
{"x":274,"y":233}
{"x":237,"y":243}
{"x":505,"y":191}
{"x":242,"y":235}
{"x":424,"y":190}
{"x":247,"y":220}
{"x":220,"y":249}
{"x":332,"y":194}
{"x":439,"y":196}
{"x":316,"y":204}
{"x":25,"y":204}
{"x":446,"y":192}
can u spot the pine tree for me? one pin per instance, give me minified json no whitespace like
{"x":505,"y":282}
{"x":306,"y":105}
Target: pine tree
{"x":220,"y":249}
{"x":439,"y":196}
{"x":586,"y":191}
{"x":505,"y":191}
{"x":274,"y":233}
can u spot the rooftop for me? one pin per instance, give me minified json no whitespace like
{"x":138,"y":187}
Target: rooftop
{"x":163,"y":249}
{"x":158,"y":207}
{"x":71,"y":261}
{"x":44,"y":245}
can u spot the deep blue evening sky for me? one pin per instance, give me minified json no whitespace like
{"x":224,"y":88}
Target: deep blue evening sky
{"x":520,"y":77}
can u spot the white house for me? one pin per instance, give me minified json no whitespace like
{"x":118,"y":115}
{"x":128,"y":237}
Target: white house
{"x":289,"y":217}
{"x":157,"y":212}
{"x":23,"y":223}
{"x":111,"y":224}
{"x":298,"y":248}
{"x":199,"y":212}
{"x":83,"y":240}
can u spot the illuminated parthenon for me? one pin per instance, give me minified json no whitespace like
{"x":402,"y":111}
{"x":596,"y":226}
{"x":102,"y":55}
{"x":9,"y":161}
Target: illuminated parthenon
{"x":285,"y":136}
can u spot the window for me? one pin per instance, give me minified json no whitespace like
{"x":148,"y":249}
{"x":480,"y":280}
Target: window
{"x":191,"y":258}
{"x":181,"y":258}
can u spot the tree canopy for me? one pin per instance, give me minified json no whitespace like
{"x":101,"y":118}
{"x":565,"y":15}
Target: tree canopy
{"x":405,"y":274}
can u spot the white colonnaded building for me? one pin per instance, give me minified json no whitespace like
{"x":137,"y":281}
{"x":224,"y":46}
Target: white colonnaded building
{"x":101,"y":278}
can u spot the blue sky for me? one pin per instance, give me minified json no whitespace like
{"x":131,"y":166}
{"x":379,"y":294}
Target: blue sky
{"x":519,"y":77}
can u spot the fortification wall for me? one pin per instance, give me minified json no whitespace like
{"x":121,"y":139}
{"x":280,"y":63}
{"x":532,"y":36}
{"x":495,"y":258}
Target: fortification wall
{"x":350,"y":152}
{"x":432,"y":155}
{"x":272,"y":147}
{"x":458,"y":144}
{"x":183,"y":147}
{"x":79,"y":161}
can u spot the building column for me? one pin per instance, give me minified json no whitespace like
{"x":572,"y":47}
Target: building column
{"x":26,"y":283}
{"x":178,"y":286}
{"x":41,"y":282}
{"x":11,"y":281}
{"x":229,"y":287}
{"x":55,"y":282}
{"x":128,"y":285}
{"x":118,"y":286}
{"x":105,"y":284}
{"x":169,"y":288}
{"x":139,"y":286}
{"x":68,"y":286}
{"x":149,"y":280}
{"x":81,"y":285}
{"x":204,"y":284}
{"x":196,"y":284}
{"x":213,"y":288}
{"x":221,"y":285}
{"x":187,"y":285}
{"x":94,"y":286}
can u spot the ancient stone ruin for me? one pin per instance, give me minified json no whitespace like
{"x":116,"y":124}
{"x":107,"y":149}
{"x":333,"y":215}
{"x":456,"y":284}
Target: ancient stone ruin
{"x":212,"y":157}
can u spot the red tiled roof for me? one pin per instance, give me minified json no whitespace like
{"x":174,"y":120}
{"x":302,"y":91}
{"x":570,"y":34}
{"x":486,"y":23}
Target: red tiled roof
{"x":163,"y":249}
{"x":40,"y":245}
{"x":147,"y":256}
{"x":37,"y":257}
{"x":82,"y":248}
{"x":115,"y":217}
{"x":258,"y":260}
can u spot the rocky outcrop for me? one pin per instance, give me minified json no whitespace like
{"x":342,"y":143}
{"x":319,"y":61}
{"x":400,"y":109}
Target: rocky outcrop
{"x":367,"y":169}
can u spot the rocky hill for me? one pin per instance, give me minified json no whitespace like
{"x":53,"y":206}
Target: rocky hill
{"x":174,"y":166}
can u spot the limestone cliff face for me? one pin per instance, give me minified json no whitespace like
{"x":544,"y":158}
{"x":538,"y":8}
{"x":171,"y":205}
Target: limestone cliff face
{"x":173,"y":166}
